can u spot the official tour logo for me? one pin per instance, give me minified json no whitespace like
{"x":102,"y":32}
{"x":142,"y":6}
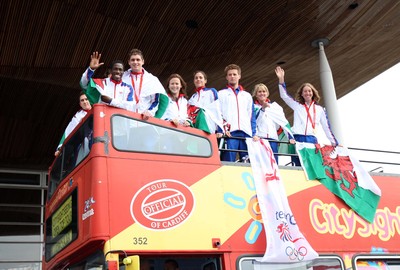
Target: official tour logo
{"x":162,"y":204}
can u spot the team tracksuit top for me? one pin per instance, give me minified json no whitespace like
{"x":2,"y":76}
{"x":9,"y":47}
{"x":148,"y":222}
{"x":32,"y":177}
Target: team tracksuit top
{"x":301,"y":123}
{"x":147,"y":90}
{"x":79,"y":115}
{"x":266,"y":126}
{"x":238,"y":109}
{"x":203,"y":96}
{"x":120,"y":92}
{"x":207,"y":99}
{"x":176,"y":109}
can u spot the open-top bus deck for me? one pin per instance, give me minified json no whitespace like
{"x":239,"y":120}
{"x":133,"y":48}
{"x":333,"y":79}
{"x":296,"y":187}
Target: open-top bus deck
{"x":125,"y":191}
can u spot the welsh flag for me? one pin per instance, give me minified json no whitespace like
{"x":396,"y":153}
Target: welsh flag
{"x":207,"y":118}
{"x":342,"y":174}
{"x":198,"y":119}
{"x":275,"y":112}
{"x":162,"y":105}
{"x":92,"y":92}
{"x":285,"y":242}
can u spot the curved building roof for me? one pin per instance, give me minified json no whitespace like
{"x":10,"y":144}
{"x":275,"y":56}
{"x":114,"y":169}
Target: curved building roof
{"x":45,"y":46}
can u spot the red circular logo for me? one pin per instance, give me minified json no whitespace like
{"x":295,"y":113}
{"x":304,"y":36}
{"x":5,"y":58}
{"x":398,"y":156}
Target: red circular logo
{"x":162,"y":204}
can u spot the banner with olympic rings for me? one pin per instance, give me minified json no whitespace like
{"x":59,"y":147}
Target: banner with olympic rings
{"x":285,"y":242}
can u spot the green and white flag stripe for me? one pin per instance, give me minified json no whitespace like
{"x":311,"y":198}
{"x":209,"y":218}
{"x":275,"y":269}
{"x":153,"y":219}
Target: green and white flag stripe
{"x":201,"y":122}
{"x":343,"y":175}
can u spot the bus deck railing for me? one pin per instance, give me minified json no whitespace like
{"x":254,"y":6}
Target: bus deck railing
{"x":393,"y":155}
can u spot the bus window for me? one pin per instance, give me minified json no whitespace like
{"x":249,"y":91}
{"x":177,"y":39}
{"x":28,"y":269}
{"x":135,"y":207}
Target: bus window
{"x":181,"y":262}
{"x":321,"y":263}
{"x":376,"y":261}
{"x":94,"y":262}
{"x":211,"y":265}
{"x":132,"y":135}
{"x":72,"y":153}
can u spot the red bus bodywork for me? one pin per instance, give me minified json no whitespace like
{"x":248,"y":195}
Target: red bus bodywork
{"x":153,"y":204}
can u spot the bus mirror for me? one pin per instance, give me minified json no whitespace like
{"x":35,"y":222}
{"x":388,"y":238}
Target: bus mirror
{"x":216,"y":242}
{"x":131,"y":262}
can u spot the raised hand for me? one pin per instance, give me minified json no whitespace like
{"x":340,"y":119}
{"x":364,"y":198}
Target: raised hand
{"x":280,"y":73}
{"x":95,"y":61}
{"x":265,"y":105}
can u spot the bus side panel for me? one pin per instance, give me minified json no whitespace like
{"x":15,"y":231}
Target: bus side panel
{"x":225,"y":208}
{"x":93,"y":211}
{"x":224,"y":217}
{"x":157,"y":202}
{"x":89,"y":180}
{"x":326,"y":219}
{"x":328,"y":223}
{"x":250,"y":238}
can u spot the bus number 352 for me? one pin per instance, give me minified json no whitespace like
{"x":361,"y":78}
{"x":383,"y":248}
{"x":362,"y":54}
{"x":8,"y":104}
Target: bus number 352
{"x":140,"y":240}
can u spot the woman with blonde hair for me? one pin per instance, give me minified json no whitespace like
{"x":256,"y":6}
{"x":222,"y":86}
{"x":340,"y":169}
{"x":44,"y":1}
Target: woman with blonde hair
{"x":270,"y":118}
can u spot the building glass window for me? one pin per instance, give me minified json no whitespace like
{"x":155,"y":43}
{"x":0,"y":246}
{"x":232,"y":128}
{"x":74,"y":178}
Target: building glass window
{"x":22,"y":197}
{"x":19,"y":179}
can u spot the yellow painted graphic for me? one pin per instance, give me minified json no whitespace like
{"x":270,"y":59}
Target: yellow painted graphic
{"x":222,"y":203}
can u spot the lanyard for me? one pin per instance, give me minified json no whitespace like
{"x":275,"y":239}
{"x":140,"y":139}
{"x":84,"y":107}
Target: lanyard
{"x":137,"y":92}
{"x":309,"y":117}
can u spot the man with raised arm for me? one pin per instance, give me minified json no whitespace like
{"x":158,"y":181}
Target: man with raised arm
{"x":111,"y":90}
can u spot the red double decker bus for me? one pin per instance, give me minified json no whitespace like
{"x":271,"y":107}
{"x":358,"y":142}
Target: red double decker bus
{"x":131,"y":194}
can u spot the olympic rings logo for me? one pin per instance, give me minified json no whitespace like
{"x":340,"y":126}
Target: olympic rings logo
{"x":294,"y":254}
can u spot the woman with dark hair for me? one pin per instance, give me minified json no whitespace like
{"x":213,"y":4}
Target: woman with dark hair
{"x":204,"y":101}
{"x":176,"y":111}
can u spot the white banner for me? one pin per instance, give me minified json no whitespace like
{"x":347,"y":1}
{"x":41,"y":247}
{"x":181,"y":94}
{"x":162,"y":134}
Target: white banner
{"x":285,"y":242}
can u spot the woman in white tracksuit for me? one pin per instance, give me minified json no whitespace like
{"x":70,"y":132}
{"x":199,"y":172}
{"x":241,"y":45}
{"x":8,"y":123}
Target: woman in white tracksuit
{"x":204,"y":98}
{"x":308,"y":116}
{"x":176,"y":111}
{"x":270,"y":118}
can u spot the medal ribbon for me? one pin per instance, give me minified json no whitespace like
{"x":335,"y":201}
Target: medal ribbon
{"x":137,"y":92}
{"x":309,"y":116}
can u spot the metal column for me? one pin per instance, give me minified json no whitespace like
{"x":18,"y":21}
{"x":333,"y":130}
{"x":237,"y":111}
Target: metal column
{"x":328,"y":91}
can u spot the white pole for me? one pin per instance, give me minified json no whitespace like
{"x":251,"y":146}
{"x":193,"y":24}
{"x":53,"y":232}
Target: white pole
{"x":329,"y":93}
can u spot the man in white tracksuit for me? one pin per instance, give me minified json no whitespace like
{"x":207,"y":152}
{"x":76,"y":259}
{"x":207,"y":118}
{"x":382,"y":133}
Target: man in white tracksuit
{"x":238,"y":111}
{"x":149,"y":94}
{"x":111,"y":90}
